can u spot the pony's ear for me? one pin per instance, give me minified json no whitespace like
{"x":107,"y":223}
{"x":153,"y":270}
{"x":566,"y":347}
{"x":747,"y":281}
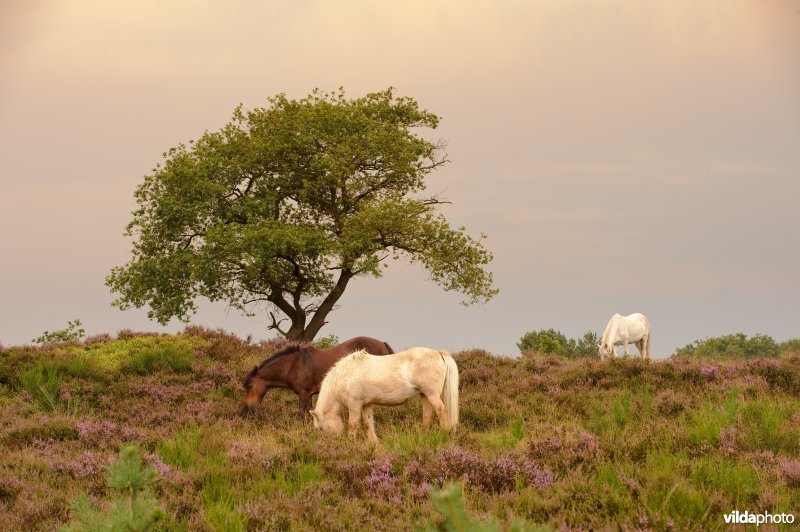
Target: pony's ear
{"x":254,"y":370}
{"x":314,"y":415}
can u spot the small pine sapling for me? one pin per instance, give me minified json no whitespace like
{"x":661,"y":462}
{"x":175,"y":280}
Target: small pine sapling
{"x":134,"y":508}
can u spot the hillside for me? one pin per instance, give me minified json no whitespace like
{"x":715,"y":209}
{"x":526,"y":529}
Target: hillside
{"x":543,"y":441}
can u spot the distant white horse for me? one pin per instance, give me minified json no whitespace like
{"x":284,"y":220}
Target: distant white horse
{"x":361,"y":381}
{"x":633,"y":329}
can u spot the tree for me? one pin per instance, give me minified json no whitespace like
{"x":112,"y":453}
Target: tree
{"x":285,"y":205}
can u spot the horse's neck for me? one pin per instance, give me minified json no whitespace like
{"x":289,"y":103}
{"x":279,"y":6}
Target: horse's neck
{"x":276,"y":373}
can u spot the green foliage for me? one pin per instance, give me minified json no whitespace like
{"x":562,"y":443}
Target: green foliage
{"x":174,"y":357}
{"x":182,"y":450}
{"x":554,"y":342}
{"x":138,"y":353}
{"x":285,"y":205}
{"x":586,"y":345}
{"x":409,"y":439}
{"x":42,"y":382}
{"x":705,"y":425}
{"x":738,"y":481}
{"x":768,"y":426}
{"x":449,"y":502}
{"x":133,"y":508}
{"x":548,"y":341}
{"x":790,"y":347}
{"x":290,"y":482}
{"x":736,"y":345}
{"x":72,"y":333}
{"x":326,"y":341}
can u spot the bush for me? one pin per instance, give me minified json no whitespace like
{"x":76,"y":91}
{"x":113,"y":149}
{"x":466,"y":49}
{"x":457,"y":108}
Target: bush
{"x":548,"y":341}
{"x":72,"y":333}
{"x":326,"y":341}
{"x":736,"y":345}
{"x":789,"y":347}
{"x":554,"y":342}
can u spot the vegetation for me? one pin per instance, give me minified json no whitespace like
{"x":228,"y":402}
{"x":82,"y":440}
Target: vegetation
{"x":553,"y":342}
{"x":134,"y":509}
{"x":544,"y":442}
{"x":72,"y":333}
{"x":738,"y":345}
{"x":285,"y":205}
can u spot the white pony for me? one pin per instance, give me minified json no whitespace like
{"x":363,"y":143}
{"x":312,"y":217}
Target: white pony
{"x":361,"y":381}
{"x":633,"y":329}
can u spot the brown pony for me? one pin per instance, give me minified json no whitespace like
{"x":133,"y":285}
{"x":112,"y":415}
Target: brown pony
{"x":301,"y":369}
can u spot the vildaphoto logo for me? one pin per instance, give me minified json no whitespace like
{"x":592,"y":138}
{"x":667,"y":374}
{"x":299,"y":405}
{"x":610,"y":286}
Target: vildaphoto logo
{"x":748,"y":518}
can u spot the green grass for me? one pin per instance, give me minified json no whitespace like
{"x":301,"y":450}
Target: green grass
{"x":42,"y":382}
{"x":151,"y":359}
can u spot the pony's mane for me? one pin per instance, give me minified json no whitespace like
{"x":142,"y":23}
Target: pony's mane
{"x":282,"y":352}
{"x":340,"y":368}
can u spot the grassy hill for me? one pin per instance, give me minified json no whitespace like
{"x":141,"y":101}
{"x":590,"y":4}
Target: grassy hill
{"x":544,"y":442}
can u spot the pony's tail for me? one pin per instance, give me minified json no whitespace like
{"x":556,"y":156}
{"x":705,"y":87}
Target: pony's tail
{"x":647,"y":348}
{"x":389,"y":348}
{"x":450,"y":389}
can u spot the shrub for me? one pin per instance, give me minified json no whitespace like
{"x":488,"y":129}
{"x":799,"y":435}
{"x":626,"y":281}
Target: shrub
{"x":789,"y":347}
{"x":548,"y":341}
{"x":586,"y":345}
{"x":736,"y":345}
{"x":72,"y":333}
{"x":554,"y":342}
{"x":326,"y":341}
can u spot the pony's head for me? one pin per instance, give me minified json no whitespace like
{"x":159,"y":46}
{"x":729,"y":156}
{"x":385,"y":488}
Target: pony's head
{"x":604,"y":350}
{"x":254,"y":390}
{"x":330,"y":422}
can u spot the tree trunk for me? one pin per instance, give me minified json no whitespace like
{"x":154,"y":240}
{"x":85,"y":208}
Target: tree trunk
{"x":299,"y":332}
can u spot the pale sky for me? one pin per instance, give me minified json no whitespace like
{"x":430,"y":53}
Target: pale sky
{"x":622,"y":155}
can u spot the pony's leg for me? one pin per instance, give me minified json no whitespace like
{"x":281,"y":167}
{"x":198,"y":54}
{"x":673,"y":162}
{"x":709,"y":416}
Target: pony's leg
{"x":369,"y":421}
{"x":625,"y":347}
{"x":353,"y":416}
{"x":305,"y":404}
{"x":640,"y":347}
{"x":438,"y":407}
{"x":427,"y":412}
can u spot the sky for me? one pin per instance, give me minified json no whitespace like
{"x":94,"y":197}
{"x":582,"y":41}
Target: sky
{"x":622,"y":156}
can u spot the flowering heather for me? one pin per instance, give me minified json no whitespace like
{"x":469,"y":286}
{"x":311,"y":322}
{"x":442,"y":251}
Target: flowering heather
{"x":727,"y":441}
{"x":565,"y":449}
{"x":127,"y":334}
{"x":96,"y":430}
{"x":381,"y":483}
{"x":97,"y":338}
{"x":540,"y":477}
{"x":709,"y":372}
{"x":88,"y":464}
{"x":162,"y":468}
{"x":790,"y":469}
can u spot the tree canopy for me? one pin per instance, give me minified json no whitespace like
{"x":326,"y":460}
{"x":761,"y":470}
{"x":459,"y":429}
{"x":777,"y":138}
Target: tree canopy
{"x":286,"y":204}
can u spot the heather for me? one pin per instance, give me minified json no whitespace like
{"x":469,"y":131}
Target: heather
{"x":545,"y":442}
